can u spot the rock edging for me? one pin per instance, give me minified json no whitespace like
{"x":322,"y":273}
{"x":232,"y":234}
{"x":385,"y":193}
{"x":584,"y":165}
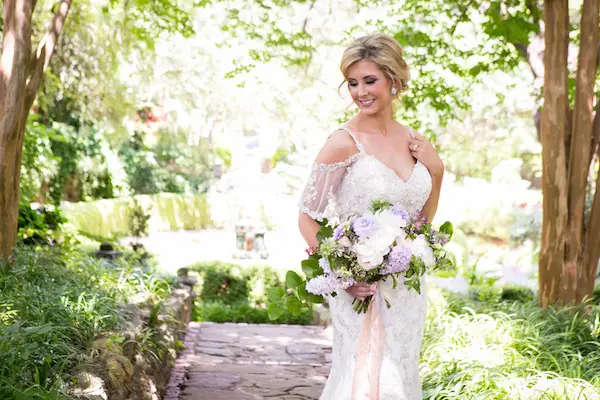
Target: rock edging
{"x":136,"y":364}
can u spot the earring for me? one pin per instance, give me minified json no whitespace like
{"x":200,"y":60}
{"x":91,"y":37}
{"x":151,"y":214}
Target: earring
{"x":394,"y":90}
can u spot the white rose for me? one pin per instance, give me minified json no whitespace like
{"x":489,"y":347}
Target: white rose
{"x":390,"y":222}
{"x":404,"y":240}
{"x":368,"y":256}
{"x":420,"y":248}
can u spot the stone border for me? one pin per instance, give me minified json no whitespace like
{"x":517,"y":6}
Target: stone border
{"x":123,"y":370}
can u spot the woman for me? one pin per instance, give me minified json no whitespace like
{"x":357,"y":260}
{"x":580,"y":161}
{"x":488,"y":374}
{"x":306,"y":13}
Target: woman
{"x":370,"y":157}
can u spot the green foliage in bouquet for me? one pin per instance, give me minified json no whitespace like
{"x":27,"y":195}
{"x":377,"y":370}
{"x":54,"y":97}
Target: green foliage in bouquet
{"x":294,"y":296}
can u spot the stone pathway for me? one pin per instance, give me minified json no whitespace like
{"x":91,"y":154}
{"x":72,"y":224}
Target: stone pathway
{"x":246,"y":362}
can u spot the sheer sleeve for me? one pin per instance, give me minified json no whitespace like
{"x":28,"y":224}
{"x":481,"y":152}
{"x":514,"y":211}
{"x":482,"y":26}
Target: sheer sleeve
{"x":319,"y":196}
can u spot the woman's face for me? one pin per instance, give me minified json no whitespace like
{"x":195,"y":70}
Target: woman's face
{"x":369,"y":87}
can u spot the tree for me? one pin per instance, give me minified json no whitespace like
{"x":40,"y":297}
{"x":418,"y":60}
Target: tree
{"x":22,"y":71}
{"x":570,"y":239}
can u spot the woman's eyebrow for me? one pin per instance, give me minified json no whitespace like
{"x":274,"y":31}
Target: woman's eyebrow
{"x":364,"y":77}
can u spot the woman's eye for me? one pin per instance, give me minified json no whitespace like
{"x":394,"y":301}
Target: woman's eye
{"x":371,"y":82}
{"x":352,"y":83}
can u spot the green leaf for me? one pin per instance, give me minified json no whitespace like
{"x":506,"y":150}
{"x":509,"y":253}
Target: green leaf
{"x":292,"y":279}
{"x":310,"y":267}
{"x":313,"y":298}
{"x":274,"y":311}
{"x":325,"y":232}
{"x":302,"y":293}
{"x":275,"y":294}
{"x":294,"y":305}
{"x":447,"y":228}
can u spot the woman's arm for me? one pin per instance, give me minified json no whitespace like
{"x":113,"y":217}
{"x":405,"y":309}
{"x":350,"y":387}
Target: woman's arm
{"x":338,"y":147}
{"x":424,"y":151}
{"x":431,"y":205}
{"x":308,"y":228}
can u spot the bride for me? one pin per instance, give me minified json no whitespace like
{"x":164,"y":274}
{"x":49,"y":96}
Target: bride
{"x":371,"y":157}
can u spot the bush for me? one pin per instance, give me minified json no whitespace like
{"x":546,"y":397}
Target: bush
{"x":42,"y":225}
{"x":169,"y":212}
{"x":53,"y":304}
{"x":243,"y":312}
{"x":231,"y":293}
{"x":498,"y":344}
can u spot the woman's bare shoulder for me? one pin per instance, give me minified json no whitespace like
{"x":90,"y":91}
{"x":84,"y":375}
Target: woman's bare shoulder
{"x":338,"y":148}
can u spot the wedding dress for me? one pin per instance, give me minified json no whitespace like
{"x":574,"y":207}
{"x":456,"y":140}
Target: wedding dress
{"x":335,"y":191}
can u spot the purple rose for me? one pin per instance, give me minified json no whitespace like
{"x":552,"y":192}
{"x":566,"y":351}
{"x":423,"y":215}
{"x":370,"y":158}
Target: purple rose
{"x":365,"y":225}
{"x":398,"y":260}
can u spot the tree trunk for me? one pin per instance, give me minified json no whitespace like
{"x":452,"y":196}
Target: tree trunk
{"x":579,"y":252}
{"x":570,"y":247}
{"x":21,"y":73}
{"x":554,"y":283}
{"x":16,"y":50}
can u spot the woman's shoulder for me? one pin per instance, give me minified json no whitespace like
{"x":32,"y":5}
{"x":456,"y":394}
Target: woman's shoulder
{"x":339,"y":147}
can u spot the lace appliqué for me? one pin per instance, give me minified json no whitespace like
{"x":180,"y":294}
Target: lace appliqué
{"x":319,"y":198}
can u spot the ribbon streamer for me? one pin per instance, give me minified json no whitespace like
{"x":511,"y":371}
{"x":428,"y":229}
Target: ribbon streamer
{"x":369,"y":355}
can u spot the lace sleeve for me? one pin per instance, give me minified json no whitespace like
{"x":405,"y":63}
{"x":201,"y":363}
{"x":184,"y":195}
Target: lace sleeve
{"x":319,"y":196}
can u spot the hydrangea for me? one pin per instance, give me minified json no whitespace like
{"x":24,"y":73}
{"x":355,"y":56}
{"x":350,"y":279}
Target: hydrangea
{"x":398,"y":210}
{"x":398,"y":260}
{"x":322,"y":284}
{"x":324,"y":264}
{"x":338,"y":231}
{"x":365,"y":225}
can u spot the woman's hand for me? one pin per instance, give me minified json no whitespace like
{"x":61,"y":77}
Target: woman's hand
{"x":423,"y":151}
{"x":362,"y":290}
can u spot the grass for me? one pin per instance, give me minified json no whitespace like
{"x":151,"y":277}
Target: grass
{"x":53,"y":304}
{"x":484,"y":347}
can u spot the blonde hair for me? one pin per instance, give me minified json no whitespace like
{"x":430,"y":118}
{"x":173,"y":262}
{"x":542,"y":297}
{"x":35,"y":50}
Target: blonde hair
{"x":384,"y":51}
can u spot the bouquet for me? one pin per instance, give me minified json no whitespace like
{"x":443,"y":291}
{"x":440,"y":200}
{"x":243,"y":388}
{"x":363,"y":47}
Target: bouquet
{"x":382,"y":243}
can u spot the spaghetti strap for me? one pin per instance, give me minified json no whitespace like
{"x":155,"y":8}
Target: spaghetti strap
{"x":359,"y":145}
{"x":412,"y":132}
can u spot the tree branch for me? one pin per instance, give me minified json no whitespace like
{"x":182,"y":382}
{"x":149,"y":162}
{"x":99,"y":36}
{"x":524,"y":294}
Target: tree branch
{"x":462,"y":16}
{"x":306,"y":19}
{"x":40,"y":61}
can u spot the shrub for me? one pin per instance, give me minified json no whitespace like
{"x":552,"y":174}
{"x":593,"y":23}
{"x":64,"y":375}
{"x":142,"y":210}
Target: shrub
{"x":243,"y":312}
{"x":498,"y":344}
{"x":53,"y":304}
{"x":231,"y":293}
{"x":42,"y":225}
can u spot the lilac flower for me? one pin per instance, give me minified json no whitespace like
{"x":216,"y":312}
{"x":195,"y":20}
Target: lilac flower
{"x":322,"y":284}
{"x":398,"y":260}
{"x":324,"y":264}
{"x":398,"y":210}
{"x":345,"y":284}
{"x":338,"y":232}
{"x":419,"y":220}
{"x":364,"y":225}
{"x":442,"y":238}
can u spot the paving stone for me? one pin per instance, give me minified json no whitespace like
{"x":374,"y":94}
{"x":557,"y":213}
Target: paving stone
{"x":247,"y":362}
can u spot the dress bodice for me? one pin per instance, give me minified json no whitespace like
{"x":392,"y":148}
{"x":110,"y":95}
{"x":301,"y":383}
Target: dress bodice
{"x":340,"y":189}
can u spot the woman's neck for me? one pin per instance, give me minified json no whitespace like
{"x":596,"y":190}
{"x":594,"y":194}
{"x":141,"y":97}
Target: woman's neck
{"x":382,"y":124}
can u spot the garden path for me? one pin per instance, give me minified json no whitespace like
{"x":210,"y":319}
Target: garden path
{"x":246,"y":362}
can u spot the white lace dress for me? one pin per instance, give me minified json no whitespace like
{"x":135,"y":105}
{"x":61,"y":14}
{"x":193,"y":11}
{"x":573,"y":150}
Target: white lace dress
{"x":338,"y":190}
